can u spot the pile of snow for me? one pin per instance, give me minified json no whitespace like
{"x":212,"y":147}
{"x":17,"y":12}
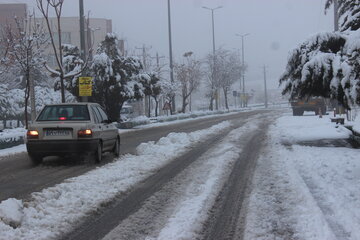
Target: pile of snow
{"x":11,"y":212}
{"x":57,"y":209}
{"x":293,"y":129}
{"x":140,"y":120}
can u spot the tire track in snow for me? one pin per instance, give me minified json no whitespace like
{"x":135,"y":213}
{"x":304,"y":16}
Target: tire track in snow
{"x":338,"y":230}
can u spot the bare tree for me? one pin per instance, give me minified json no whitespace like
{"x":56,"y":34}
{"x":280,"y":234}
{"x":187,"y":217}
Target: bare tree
{"x":25,"y":46}
{"x":189,"y":76}
{"x":168,"y":91}
{"x":212,"y":78}
{"x":229,"y":71}
{"x":44,"y":7}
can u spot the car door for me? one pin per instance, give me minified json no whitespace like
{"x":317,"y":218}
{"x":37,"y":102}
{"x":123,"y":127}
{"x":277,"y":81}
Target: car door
{"x":98,"y":130}
{"x":108,"y":130}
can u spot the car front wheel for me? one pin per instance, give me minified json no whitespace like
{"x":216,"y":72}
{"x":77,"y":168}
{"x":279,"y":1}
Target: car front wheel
{"x":116,"y":149}
{"x":98,"y":153}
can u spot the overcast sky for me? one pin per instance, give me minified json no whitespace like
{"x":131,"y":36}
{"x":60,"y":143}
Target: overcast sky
{"x":275,"y":27}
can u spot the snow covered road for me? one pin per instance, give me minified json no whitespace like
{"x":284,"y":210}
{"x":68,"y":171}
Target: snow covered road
{"x":305,"y":192}
{"x":249,"y":178}
{"x":19,"y":178}
{"x":53,"y":211}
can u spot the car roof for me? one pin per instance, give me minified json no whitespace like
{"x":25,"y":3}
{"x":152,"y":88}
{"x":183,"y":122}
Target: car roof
{"x":72,"y":103}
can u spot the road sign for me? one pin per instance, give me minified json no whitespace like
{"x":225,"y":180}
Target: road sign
{"x":85,"y":86}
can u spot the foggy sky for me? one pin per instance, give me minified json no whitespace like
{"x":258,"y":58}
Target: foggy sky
{"x":275,"y":27}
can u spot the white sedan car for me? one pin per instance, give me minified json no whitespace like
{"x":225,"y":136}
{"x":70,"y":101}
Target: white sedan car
{"x":72,"y":128}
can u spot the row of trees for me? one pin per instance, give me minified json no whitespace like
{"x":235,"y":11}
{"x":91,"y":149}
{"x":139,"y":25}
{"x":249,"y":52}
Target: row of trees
{"x":117,"y":78}
{"x":328,"y":64}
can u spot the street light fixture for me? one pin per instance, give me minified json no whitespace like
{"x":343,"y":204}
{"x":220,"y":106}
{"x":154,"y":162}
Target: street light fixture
{"x":243,"y":63}
{"x":213,"y":35}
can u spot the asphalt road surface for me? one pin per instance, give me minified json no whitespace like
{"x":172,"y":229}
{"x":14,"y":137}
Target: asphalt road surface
{"x":19,"y":178}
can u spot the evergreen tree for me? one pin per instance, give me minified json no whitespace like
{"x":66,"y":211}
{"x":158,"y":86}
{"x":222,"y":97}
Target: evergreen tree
{"x":328,"y":64}
{"x":117,"y":78}
{"x":348,"y":11}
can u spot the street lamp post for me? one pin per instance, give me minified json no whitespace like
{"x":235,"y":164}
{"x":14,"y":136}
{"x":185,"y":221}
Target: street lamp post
{"x":170,"y":56}
{"x":82,"y":38}
{"x":213,"y":36}
{"x":243,"y":66}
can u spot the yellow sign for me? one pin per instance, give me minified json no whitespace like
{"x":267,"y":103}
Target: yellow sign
{"x":85,"y":86}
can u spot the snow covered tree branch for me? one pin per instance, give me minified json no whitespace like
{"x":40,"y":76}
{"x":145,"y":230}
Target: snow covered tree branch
{"x":61,"y":72}
{"x":26,"y":44}
{"x":328,"y":64}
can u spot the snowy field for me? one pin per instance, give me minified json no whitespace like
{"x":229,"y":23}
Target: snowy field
{"x":305,"y":192}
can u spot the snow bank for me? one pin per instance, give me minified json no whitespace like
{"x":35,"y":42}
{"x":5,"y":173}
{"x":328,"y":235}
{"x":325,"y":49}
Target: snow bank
{"x":12,"y":133}
{"x":13,"y":150}
{"x":9,"y":138}
{"x":309,"y":128}
{"x":55,"y":210}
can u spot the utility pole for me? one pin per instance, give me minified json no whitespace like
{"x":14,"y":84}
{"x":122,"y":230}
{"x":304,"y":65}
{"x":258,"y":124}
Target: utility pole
{"x":173,"y":107}
{"x":213,"y":38}
{"x":265,"y":88}
{"x":82,"y":37}
{"x":82,"y":30}
{"x":336,"y":15}
{"x":240,"y":77}
{"x":243,"y":67}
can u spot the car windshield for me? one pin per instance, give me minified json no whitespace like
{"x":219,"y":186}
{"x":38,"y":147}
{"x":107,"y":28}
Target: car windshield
{"x":64,"y":113}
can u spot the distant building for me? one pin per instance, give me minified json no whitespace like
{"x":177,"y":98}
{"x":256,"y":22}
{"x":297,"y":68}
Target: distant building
{"x":9,"y":11}
{"x":7,"y":17}
{"x":95,"y":32}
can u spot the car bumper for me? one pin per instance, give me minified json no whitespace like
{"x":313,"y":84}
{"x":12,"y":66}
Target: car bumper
{"x":61,"y":147}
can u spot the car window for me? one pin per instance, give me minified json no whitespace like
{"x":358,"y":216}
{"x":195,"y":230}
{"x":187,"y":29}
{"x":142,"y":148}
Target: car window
{"x":96,"y":115}
{"x":64,"y":113}
{"x":103,"y":114}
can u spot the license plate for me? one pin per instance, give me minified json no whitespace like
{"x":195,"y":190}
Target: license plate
{"x":57,"y":132}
